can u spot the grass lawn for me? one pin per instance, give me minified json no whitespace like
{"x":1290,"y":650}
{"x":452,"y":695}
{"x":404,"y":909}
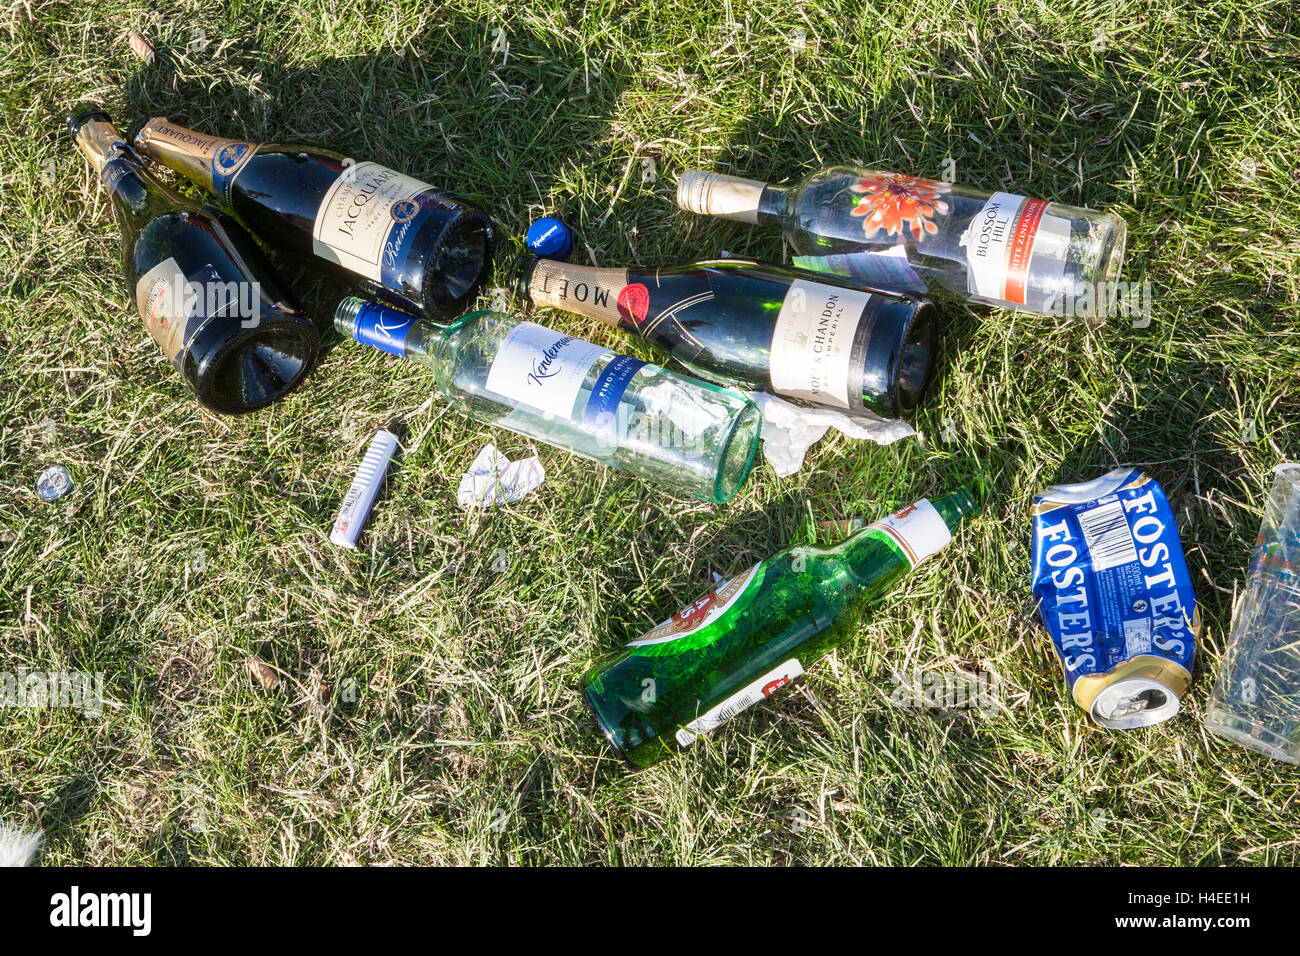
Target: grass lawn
{"x":425,"y":707}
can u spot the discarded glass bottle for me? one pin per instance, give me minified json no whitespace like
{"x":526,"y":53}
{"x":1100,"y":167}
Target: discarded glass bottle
{"x":682,"y":434}
{"x":394,"y":236}
{"x":199,"y":282}
{"x":756,"y":632}
{"x":808,"y":337}
{"x":902,"y":232}
{"x":1256,"y":700}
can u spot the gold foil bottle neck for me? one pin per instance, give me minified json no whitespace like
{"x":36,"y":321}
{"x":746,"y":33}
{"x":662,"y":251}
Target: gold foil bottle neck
{"x":98,"y":140}
{"x":182,"y":150}
{"x":583,"y":290}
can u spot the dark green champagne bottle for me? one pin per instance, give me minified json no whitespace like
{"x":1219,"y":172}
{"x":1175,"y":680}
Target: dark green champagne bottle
{"x":395,"y":237}
{"x":800,"y":334}
{"x":199,"y":282}
{"x":754,"y":633}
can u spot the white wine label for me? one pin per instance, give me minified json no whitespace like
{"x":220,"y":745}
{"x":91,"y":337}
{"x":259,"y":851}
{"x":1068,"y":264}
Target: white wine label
{"x":812,"y":346}
{"x":166,"y":303}
{"x":365,"y":204}
{"x":542,"y":368}
{"x":1010,"y":234}
{"x":918,"y":530}
{"x":987,"y":242}
{"x":742,"y":700}
{"x":886,"y":268}
{"x":699,"y":613}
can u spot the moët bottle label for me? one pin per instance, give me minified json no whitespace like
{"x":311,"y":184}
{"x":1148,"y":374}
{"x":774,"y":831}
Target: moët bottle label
{"x":813,"y":344}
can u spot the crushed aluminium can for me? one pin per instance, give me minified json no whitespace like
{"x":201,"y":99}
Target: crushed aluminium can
{"x":1114,"y":593}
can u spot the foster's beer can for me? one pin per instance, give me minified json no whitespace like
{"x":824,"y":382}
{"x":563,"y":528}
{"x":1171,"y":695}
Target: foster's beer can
{"x":1115,"y":595}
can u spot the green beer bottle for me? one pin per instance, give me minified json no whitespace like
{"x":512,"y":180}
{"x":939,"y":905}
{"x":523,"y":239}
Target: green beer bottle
{"x":754,"y":633}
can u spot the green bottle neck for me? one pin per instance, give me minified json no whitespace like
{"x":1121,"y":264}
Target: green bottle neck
{"x":956,"y":508}
{"x":860,"y":553}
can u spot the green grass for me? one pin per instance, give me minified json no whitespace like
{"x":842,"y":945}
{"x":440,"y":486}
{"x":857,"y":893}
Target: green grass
{"x":427,"y":709}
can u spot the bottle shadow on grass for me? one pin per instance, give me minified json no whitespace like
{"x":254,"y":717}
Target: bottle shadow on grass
{"x":443,"y":108}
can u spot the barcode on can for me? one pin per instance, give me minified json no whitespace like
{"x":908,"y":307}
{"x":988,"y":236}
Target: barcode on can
{"x":1109,"y":540}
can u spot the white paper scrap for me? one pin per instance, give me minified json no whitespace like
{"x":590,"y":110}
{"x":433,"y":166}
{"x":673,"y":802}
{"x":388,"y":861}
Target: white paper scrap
{"x":789,"y":430}
{"x":494,"y":479}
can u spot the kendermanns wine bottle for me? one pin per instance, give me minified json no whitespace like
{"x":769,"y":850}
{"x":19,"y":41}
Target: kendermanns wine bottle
{"x":199,"y":282}
{"x":911,"y":234}
{"x":682,"y":434}
{"x":755,"y":633}
{"x":395,"y":237}
{"x":800,"y":334}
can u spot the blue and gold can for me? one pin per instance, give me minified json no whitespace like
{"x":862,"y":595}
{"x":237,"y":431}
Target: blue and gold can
{"x":1114,"y":592}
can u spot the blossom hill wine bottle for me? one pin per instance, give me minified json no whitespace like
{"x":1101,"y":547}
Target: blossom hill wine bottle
{"x":397,"y":238}
{"x":800,"y":334}
{"x":682,"y":434}
{"x":756,"y":632}
{"x":199,"y":282}
{"x":906,"y":233}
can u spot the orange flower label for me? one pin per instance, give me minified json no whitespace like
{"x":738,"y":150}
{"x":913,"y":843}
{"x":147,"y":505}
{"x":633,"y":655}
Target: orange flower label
{"x":896,"y":204}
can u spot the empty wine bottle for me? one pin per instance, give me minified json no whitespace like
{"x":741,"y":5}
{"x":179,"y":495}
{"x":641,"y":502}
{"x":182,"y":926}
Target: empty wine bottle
{"x":797,"y":333}
{"x":901,"y":232}
{"x":199,"y":282}
{"x":395,"y":237}
{"x":756,"y":632}
{"x":685,"y":435}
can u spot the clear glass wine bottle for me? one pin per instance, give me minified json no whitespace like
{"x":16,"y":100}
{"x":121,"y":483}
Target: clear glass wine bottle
{"x":911,"y":235}
{"x":682,"y":434}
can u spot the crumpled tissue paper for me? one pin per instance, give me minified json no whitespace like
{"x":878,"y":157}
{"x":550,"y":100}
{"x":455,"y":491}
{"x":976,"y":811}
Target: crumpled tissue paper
{"x":789,"y":430}
{"x":494,"y":479}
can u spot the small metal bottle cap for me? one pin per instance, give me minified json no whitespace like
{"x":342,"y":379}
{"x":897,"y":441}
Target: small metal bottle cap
{"x":53,"y":483}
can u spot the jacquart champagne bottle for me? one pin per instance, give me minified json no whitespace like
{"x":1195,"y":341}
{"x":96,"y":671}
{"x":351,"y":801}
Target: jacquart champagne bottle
{"x":682,"y":434}
{"x":199,"y":282}
{"x":395,"y":237}
{"x":756,"y":632}
{"x":806,"y":336}
{"x":911,"y":234}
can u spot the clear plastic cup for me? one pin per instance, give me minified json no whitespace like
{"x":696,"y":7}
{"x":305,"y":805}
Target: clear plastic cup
{"x":1256,"y":701}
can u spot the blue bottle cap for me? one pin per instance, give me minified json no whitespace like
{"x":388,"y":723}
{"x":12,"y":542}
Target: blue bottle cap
{"x":549,"y":238}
